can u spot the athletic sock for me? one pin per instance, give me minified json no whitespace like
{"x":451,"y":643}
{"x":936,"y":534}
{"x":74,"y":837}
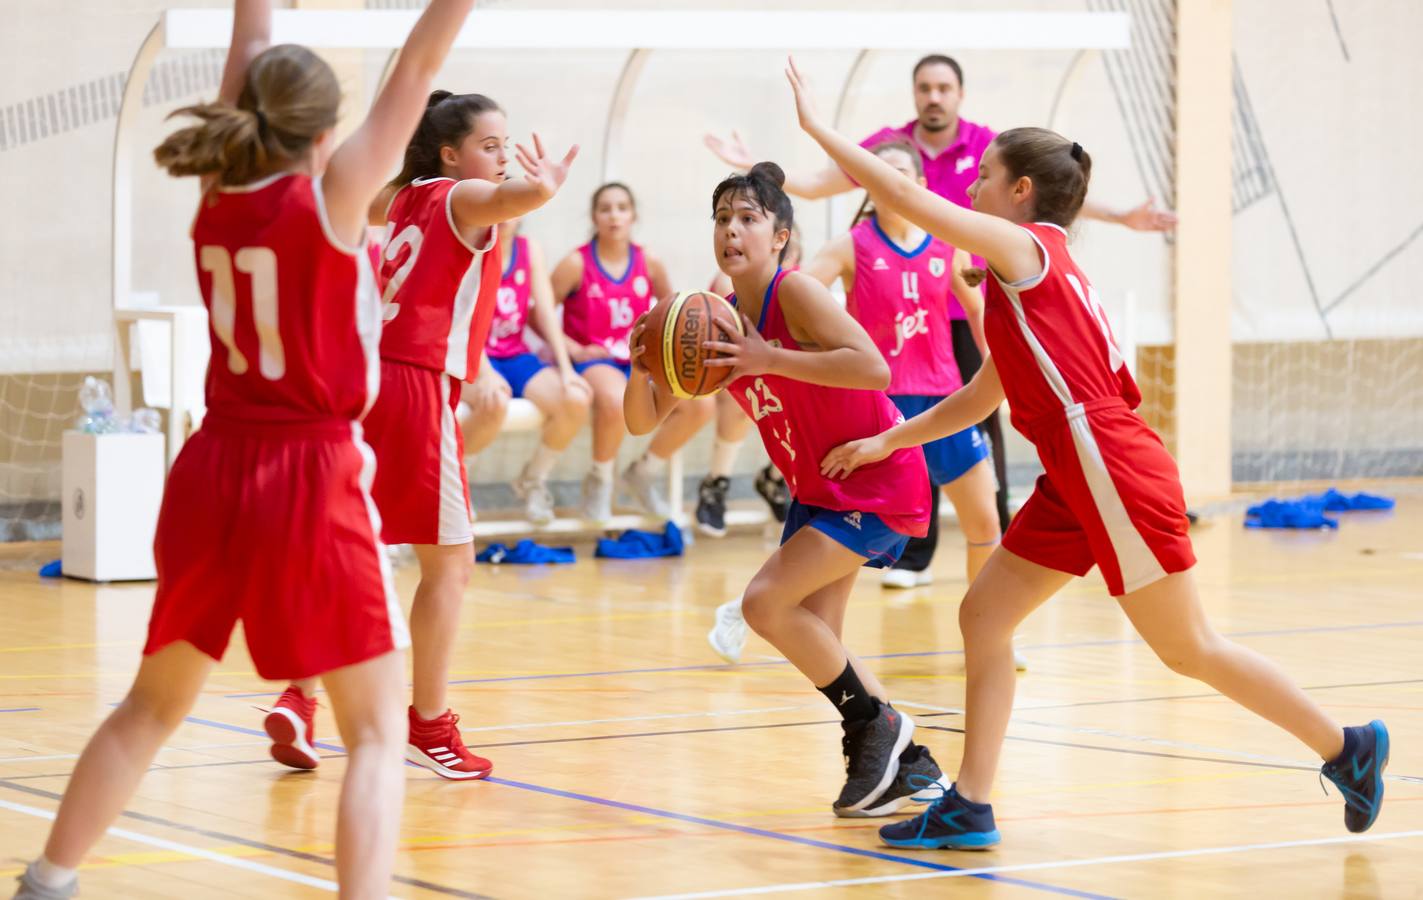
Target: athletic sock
{"x":604,"y":469}
{"x":849,"y":696}
{"x":724,"y":457}
{"x":652,"y":464}
{"x":51,"y":875}
{"x":542,"y":462}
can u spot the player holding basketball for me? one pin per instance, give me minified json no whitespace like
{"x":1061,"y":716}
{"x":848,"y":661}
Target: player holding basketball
{"x":599,"y":309}
{"x":1110,"y":497}
{"x":267,"y":516}
{"x":440,"y":275}
{"x":810,"y":378}
{"x":514,"y":370}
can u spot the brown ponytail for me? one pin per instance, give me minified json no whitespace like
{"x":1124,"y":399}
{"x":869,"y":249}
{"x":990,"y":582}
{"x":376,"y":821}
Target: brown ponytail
{"x":1059,"y":169}
{"x":290,"y":97}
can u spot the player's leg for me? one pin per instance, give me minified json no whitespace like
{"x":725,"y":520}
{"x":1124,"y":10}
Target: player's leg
{"x":972,"y":495}
{"x":644,"y":475}
{"x":732,"y":426}
{"x":565,"y":411}
{"x":367,"y":700}
{"x":488,"y":401}
{"x":912,"y":567}
{"x":608,"y":383}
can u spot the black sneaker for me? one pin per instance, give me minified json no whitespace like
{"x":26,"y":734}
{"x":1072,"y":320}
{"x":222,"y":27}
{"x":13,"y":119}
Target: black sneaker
{"x":917,"y":779}
{"x":872,"y":748}
{"x":1359,"y":775}
{"x":711,"y":506}
{"x":950,"y":823}
{"x":772,"y":488}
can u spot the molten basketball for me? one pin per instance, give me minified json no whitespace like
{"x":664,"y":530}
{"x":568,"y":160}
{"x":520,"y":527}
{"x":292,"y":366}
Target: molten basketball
{"x":673,"y":338}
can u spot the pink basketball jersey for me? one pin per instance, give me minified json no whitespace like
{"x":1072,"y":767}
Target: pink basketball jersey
{"x":603,"y":308}
{"x":511,"y":306}
{"x":801,"y":422}
{"x":902,"y":298}
{"x":438,"y":290}
{"x":293,"y":314}
{"x":1051,"y":340}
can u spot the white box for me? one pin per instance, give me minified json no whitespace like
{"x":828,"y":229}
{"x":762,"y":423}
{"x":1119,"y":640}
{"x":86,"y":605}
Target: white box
{"x":112,"y":487}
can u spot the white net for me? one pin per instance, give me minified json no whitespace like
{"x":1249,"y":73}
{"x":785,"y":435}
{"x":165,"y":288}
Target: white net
{"x":34,"y":412}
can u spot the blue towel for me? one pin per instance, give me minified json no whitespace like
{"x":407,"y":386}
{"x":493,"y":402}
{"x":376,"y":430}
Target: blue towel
{"x":1334,"y":501}
{"x":1306,"y":512}
{"x":634,"y":544}
{"x":51,"y":569}
{"x":524,"y":553}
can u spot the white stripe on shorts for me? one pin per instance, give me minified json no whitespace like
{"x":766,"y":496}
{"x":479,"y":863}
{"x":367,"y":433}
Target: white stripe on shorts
{"x":454,"y":508}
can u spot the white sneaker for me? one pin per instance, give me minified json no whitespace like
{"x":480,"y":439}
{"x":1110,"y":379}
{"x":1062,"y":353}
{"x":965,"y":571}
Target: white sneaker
{"x":538,"y":499}
{"x":728,"y":635}
{"x":1020,"y":662}
{"x":597,"y":498}
{"x":924,"y":578}
{"x":643,"y":489}
{"x":899,"y":578}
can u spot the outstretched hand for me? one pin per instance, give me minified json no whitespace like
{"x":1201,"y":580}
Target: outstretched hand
{"x":1147,"y":217}
{"x":805,"y":107}
{"x":732,"y":151}
{"x":543,"y":173}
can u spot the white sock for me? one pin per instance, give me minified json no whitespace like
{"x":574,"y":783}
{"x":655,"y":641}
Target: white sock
{"x":604,"y":469}
{"x":652,"y":464}
{"x":52,"y":876}
{"x":542,"y":462}
{"x":724,"y":457}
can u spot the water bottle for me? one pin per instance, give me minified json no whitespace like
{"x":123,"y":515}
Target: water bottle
{"x":144,"y":421}
{"x":97,"y":402}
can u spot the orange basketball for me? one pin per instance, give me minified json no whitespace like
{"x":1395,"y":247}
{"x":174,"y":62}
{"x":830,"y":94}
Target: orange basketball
{"x":673,"y":340}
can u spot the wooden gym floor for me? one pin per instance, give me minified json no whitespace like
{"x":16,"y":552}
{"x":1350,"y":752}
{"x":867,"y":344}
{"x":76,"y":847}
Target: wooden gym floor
{"x":630,"y":763}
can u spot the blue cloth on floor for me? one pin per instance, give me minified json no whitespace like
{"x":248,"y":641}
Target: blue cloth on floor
{"x":633,"y":544}
{"x":51,"y":569}
{"x":1334,"y":501}
{"x":1302,"y":513}
{"x":524,"y":553}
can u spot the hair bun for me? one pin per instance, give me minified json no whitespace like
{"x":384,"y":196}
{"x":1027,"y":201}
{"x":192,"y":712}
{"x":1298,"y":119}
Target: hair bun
{"x":769,"y":171}
{"x":436,"y":97}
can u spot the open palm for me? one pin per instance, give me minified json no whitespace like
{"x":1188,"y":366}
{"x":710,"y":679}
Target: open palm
{"x":732,"y":151}
{"x":543,"y":173}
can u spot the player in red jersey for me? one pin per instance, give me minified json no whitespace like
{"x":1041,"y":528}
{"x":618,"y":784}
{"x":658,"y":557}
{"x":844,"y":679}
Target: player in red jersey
{"x":604,"y":286}
{"x":1110,"y":496}
{"x":439,"y":282}
{"x":267,"y":516}
{"x":810,"y":378}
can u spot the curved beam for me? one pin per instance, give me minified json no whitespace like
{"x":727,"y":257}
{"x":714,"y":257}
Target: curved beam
{"x":1071,"y":73}
{"x":842,"y":106}
{"x":121,"y":237}
{"x":618,"y":110}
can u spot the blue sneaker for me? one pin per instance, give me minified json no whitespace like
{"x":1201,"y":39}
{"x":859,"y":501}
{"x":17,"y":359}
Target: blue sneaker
{"x":1358,"y":773}
{"x":950,"y":823}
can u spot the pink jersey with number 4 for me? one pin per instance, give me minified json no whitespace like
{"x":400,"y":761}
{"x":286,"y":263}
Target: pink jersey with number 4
{"x":902,"y":299}
{"x":601,"y":311}
{"x":511,"y":305}
{"x":800,"y":422}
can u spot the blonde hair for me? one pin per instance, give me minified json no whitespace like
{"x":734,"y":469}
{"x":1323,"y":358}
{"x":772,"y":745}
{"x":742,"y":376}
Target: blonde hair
{"x":290,"y":97}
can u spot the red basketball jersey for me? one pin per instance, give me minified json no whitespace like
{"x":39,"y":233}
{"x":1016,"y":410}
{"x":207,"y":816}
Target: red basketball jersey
{"x":1050,"y":338}
{"x":438,"y":290}
{"x":293,"y":313}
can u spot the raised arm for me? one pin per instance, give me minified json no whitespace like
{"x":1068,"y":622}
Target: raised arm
{"x":825,"y":182}
{"x":1142,"y":217}
{"x":251,"y":34}
{"x":363,"y":163}
{"x":484,"y":204}
{"x":1009,"y":249}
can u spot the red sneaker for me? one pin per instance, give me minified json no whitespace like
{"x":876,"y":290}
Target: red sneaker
{"x":291,"y":725}
{"x":436,"y":744}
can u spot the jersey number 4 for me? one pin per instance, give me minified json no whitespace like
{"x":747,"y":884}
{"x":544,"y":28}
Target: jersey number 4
{"x":259,"y":264}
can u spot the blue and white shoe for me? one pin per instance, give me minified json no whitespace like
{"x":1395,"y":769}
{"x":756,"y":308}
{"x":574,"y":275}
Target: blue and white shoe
{"x":950,"y":823}
{"x":1358,"y":774}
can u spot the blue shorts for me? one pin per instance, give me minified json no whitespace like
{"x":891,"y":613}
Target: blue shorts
{"x":518,"y":370}
{"x":862,"y":533}
{"x":624,"y":367}
{"x":948,"y":458}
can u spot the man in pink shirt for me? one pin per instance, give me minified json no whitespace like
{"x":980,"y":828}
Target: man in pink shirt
{"x":950,"y":147}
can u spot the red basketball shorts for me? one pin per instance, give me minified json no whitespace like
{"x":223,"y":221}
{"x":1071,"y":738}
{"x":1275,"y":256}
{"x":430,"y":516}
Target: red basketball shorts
{"x":420,"y":484}
{"x":1110,"y":497}
{"x":273,"y":525}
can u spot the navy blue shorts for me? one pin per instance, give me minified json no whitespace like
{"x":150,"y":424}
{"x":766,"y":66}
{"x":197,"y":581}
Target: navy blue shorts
{"x":950,"y":457}
{"x":862,"y":533}
{"x":624,"y":367}
{"x":518,"y":370}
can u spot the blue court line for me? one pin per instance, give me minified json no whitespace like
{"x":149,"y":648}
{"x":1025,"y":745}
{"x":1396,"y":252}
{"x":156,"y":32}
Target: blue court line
{"x":713,"y":823}
{"x":1110,"y":642}
{"x":21,"y":709}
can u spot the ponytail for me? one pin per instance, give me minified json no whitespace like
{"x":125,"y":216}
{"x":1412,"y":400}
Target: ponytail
{"x":448,"y":120}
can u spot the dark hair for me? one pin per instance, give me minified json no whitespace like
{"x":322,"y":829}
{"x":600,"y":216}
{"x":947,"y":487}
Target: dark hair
{"x":608,"y":186}
{"x":939,"y":59}
{"x":1060,"y":171}
{"x":763,"y":186}
{"x":903,"y":146}
{"x":448,"y":119}
{"x":289,"y":98}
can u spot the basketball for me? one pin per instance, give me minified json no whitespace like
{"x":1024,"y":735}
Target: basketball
{"x":673,"y":342}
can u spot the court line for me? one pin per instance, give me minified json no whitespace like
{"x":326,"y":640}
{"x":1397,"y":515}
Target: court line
{"x":235,"y":862}
{"x":689,"y":715}
{"x":192,"y":749}
{"x":244,"y":842}
{"x":1040,"y":866}
{"x":21,"y":709}
{"x":1112,"y":642}
{"x":709,"y":823}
